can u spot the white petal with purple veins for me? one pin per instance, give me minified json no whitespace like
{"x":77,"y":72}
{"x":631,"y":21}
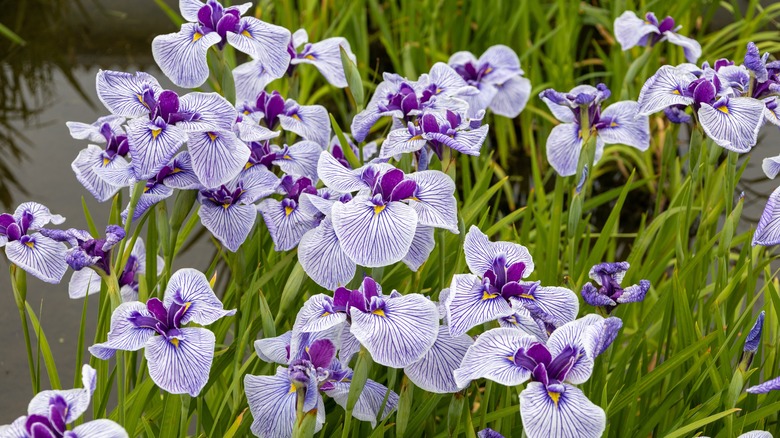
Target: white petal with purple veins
{"x":274,"y":349}
{"x":230,"y":225}
{"x":40,"y":213}
{"x":557,"y":303}
{"x":124,"y":335}
{"x":326,"y":57}
{"x":249,"y":130}
{"x":365,"y":120}
{"x":569,"y":415}
{"x":182,"y":366}
{"x":763,"y":388}
{"x":316,"y":315}
{"x":349,"y":345}
{"x":374,"y":236}
{"x":82,"y":283}
{"x":625,"y":128}
{"x":257,"y":182}
{"x":183,"y":176}
{"x":215,"y":112}
{"x":122,"y":93}
{"x":583,"y":335}
{"x":691,"y":47}
{"x":251,"y":78}
{"x":422,"y":245}
{"x":118,"y":172}
{"x":311,"y":122}
{"x":272,"y":401}
{"x":665,"y":89}
{"x":190,"y":288}
{"x":771,"y":166}
{"x":511,"y":97}
{"x":301,"y":159}
{"x":564,"y":146}
{"x":265,"y":42}
{"x":182,"y":55}
{"x":189,"y":9}
{"x":434,"y":200}
{"x":630,"y":29}
{"x":401,"y":141}
{"x":322,"y":258}
{"x":217,"y":157}
{"x":735,"y":125}
{"x":84,"y":167}
{"x":447,"y":80}
{"x":522,"y":320}
{"x":92,"y":132}
{"x":503,"y":62}
{"x":469,"y":305}
{"x":372,"y":395}
{"x":101,"y":428}
{"x":481,"y":252}
{"x":401,"y":333}
{"x":492,"y":356}
{"x":338,"y":177}
{"x":41,"y":256}
{"x":148,"y":199}
{"x":285,"y":226}
{"x":152,"y":146}
{"x":433,"y":372}
{"x":768,"y":229}
{"x":77,"y":399}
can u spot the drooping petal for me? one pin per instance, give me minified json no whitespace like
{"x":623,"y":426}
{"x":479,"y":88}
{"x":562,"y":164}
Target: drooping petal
{"x":768,"y":229}
{"x":272,"y":401}
{"x":181,"y":367}
{"x":93,"y":132}
{"x":215,"y":113}
{"x":625,"y":127}
{"x":182,"y":55}
{"x":82,"y":283}
{"x":401,"y":141}
{"x":503,"y":63}
{"x":481,"y":252}
{"x":124,"y":335}
{"x":190,"y":288}
{"x":217,"y":157}
{"x":433,"y":372}
{"x":189,"y":9}
{"x":301,"y":159}
{"x":691,"y":47}
{"x":630,"y":30}
{"x":365,"y":120}
{"x":763,"y":388}
{"x":634,"y":293}
{"x":401,"y":333}
{"x":251,"y":78}
{"x":564,"y":145}
{"x":149,"y":198}
{"x":434,"y":200}
{"x":555,"y":102}
{"x":122,"y":93}
{"x":257,"y":182}
{"x":40,"y":213}
{"x":349,"y":345}
{"x":735,"y":125}
{"x":230,"y":225}
{"x":274,"y":349}
{"x":326,"y":57}
{"x":77,"y":399}
{"x":422,"y":245}
{"x":555,"y":305}
{"x":118,"y":172}
{"x":522,"y":320}
{"x":584,"y":336}
{"x":338,"y":177}
{"x":756,"y":434}
{"x":16,"y":429}
{"x":39,"y":255}
{"x":311,"y":122}
{"x":492,"y":357}
{"x":511,"y":97}
{"x":567,"y":414}
{"x":84,"y":167}
{"x":322,"y":258}
{"x":101,"y":428}
{"x":665,"y":89}
{"x":374,"y":237}
{"x":265,"y":42}
{"x":317,"y":315}
{"x":469,"y":305}
{"x":286,"y":227}
{"x":372,"y":395}
{"x":771,"y":166}
{"x":152,"y":146}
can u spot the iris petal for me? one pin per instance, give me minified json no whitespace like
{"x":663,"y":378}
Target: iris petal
{"x":274,"y":349}
{"x":152,"y":145}
{"x":301,"y":160}
{"x":40,"y":213}
{"x":183,"y":367}
{"x":468,"y":305}
{"x":325,"y":55}
{"x":317,"y":315}
{"x":102,"y":428}
{"x":311,"y":122}
{"x":584,"y":336}
{"x":691,"y":47}
{"x":321,"y":256}
{"x":665,"y":89}
{"x":190,"y":287}
{"x":272,"y":403}
{"x":625,"y":128}
{"x":120,"y":91}
{"x":230,"y":225}
{"x":338,"y":177}
{"x":84,"y":167}
{"x":215,"y":113}
{"x":124,"y":335}
{"x":251,"y":78}
{"x":569,"y":415}
{"x":401,"y":141}
{"x":768,"y":229}
{"x":763,"y":388}
{"x":217,"y":157}
{"x":82,"y":283}
{"x":564,"y":146}
{"x":433,"y":372}
{"x":369,"y":402}
{"x":481,"y":252}
{"x":630,"y":29}
{"x":735,"y":125}
{"x":434,"y":200}
{"x":77,"y":399}
{"x":492,"y":357}
{"x":422,"y":245}
{"x":511,"y":97}
{"x":182,"y":55}
{"x":41,"y":256}
{"x":286,"y":227}
{"x":265,"y":42}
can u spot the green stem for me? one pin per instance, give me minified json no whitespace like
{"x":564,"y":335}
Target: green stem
{"x":185,"y":415}
{"x":19,"y":284}
{"x":116,"y":299}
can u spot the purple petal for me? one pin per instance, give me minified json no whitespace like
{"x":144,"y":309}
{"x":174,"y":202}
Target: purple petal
{"x":182,"y":55}
{"x":326,"y":57}
{"x":768,"y":229}
{"x":124,"y":335}
{"x":101,"y":428}
{"x":39,"y":255}
{"x":591,"y":295}
{"x":152,"y":146}
{"x":217,"y":157}
{"x":272,"y":401}
{"x":561,"y":414}
{"x":84,"y":167}
{"x":763,"y":388}
{"x":265,"y":42}
{"x":734,"y":125}
{"x":625,"y":127}
{"x":469,"y":305}
{"x":492,"y":357}
{"x":422,"y":245}
{"x":301,"y":159}
{"x":433,"y":372}
{"x":215,"y":113}
{"x":251,"y":78}
{"x":369,"y":402}
{"x":286,"y":227}
{"x":434,"y":200}
{"x":230,"y":225}
{"x":401,"y":333}
{"x":481,"y":252}
{"x":511,"y":97}
{"x":274,"y":350}
{"x":635,"y":293}
{"x":122,"y":93}
{"x":311,"y":122}
{"x":181,"y":367}
{"x":189,"y":288}
{"x":317,"y":315}
{"x":82,"y":283}
{"x":630,"y":30}
{"x":321,"y":256}
{"x":665,"y":89}
{"x":691,"y":47}
{"x":488,"y":433}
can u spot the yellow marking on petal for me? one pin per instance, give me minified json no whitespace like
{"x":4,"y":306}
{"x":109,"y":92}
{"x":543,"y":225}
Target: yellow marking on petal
{"x":488,"y":70}
{"x":225,"y":206}
{"x":140,"y":98}
{"x":724,"y":109}
{"x":438,"y":90}
{"x":511,"y":358}
{"x":555,"y":396}
{"x":196,"y":36}
{"x":310,"y":58}
{"x":292,"y":388}
{"x":379,"y":312}
{"x":528,"y":297}
{"x":156,"y":132}
{"x":677,"y":92}
{"x":248,"y":165}
{"x":246,"y":112}
{"x":175,"y":342}
{"x":246,"y":34}
{"x":187,"y":305}
{"x":579,"y":134}
{"x":146,"y":189}
{"x":378,"y":209}
{"x":176,"y":170}
{"x":613,"y":125}
{"x":487,"y":296}
{"x":417,"y":137}
{"x":106,"y":161}
{"x":324,"y":314}
{"x":212,"y":135}
{"x":30,"y":243}
{"x":287,"y":157}
{"x":415,"y":198}
{"x":288,"y":211}
{"x":296,"y":117}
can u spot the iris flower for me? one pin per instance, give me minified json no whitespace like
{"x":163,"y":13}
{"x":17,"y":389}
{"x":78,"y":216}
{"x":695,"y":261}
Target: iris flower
{"x":286,"y":222}
{"x":610,"y":293}
{"x":495,"y":290}
{"x":87,"y":251}
{"x":182,"y":55}
{"x":616,"y":124}
{"x":498,"y":77}
{"x":300,"y":159}
{"x":310,"y":122}
{"x":179,"y":357}
{"x":27,"y":248}
{"x":397,"y":330}
{"x":631,"y":31}
{"x":50,"y":412}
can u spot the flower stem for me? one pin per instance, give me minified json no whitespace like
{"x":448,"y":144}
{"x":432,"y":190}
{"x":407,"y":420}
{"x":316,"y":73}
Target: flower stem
{"x":19,"y":284}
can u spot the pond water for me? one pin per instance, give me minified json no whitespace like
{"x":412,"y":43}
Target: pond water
{"x":51,"y":81}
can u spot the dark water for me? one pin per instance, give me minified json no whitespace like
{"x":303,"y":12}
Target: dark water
{"x":52,"y":80}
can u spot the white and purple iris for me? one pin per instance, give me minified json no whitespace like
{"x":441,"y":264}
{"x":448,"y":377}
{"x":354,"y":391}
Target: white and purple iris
{"x":182,"y":55}
{"x":92,"y":161}
{"x":310,"y":122}
{"x":495,"y":290}
{"x":298,"y":160}
{"x":632,"y":31}
{"x":720,"y":98}
{"x":229,"y":212}
{"x":29,"y":249}
{"x":498,"y":77}
{"x":179,"y":357}
{"x":87,"y":251}
{"x":50,"y":412}
{"x":549,"y":405}
{"x":616,"y":124}
{"x":610,"y":293}
{"x":286,"y":222}
{"x":161,"y":122}
{"x":312,"y":365}
{"x":397,"y":330}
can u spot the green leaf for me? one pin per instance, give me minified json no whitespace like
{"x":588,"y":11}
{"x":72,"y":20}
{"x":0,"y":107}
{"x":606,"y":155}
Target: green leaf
{"x":349,"y":154}
{"x":354,"y":83}
{"x":683,"y":431}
